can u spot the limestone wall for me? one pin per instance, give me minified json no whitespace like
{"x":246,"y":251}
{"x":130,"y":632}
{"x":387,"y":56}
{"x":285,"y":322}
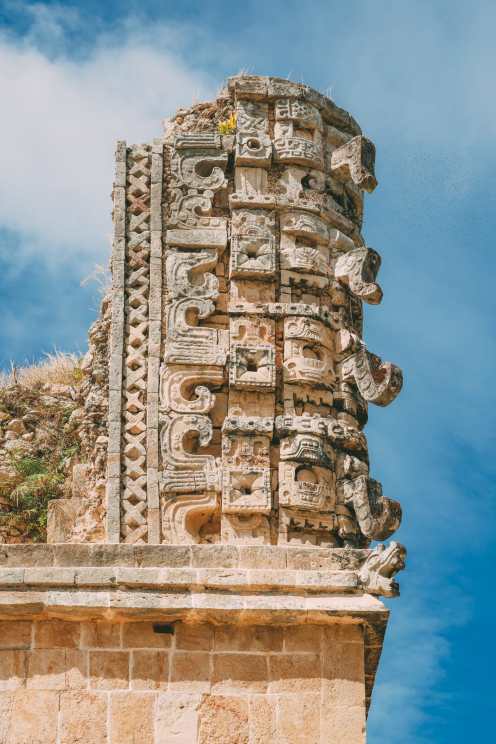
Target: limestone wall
{"x":67,"y":682}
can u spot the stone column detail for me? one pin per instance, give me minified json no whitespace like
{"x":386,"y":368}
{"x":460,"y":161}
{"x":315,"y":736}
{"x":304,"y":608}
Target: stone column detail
{"x":195,"y":345}
{"x":134,"y":525}
{"x":239,"y":284}
{"x":135,"y":347}
{"x":118,"y":266}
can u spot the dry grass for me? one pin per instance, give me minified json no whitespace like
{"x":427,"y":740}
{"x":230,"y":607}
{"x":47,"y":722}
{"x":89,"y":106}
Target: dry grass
{"x":57,"y":368}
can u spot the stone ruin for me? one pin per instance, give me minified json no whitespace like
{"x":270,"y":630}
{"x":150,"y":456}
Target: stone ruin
{"x":226,"y":497}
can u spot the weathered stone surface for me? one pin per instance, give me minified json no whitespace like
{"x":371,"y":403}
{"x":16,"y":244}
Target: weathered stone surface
{"x":61,"y":519}
{"x":141,"y":635}
{"x":149,"y":670}
{"x":32,"y":717}
{"x":131,"y":718}
{"x":56,"y":634}
{"x":82,"y":718}
{"x":215,"y":683}
{"x":15,"y":635}
{"x":176,"y":719}
{"x":267,"y":321}
{"x":223,"y":720}
{"x":109,"y":670}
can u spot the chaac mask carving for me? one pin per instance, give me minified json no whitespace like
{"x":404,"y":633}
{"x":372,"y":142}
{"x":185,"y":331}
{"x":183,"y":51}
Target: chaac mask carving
{"x":240,"y":274}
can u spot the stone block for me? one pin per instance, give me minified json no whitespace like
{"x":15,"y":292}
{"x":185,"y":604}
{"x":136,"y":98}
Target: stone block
{"x":310,"y":558}
{"x":13,"y":669}
{"x":137,"y":577}
{"x":61,"y":518}
{"x":15,"y":634}
{"x":174,"y":556}
{"x":131,"y":718}
{"x":176,"y":720}
{"x":190,"y":672}
{"x":343,"y":633}
{"x":149,"y":670}
{"x":223,"y":720}
{"x":254,"y":638}
{"x":347,"y":722}
{"x":294,"y":673}
{"x":111,"y":555}
{"x":33,"y":717}
{"x":263,"y":719}
{"x":100,"y":634}
{"x":71,"y":555}
{"x":214,"y":556}
{"x":235,"y":673}
{"x":6,"y":700}
{"x":11,"y":576}
{"x":57,"y":634}
{"x":49,"y":576}
{"x":193,"y":637}
{"x":302,"y":638}
{"x":96,"y":576}
{"x":83,"y":718}
{"x":298,"y":720}
{"x":76,"y":669}
{"x":344,"y":661}
{"x":109,"y":670}
{"x":26,"y":555}
{"x":142,"y":635}
{"x":46,"y":669}
{"x":261,"y":556}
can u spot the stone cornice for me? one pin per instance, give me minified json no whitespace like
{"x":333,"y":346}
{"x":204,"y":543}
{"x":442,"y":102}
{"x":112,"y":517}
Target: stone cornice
{"x":242,"y":585}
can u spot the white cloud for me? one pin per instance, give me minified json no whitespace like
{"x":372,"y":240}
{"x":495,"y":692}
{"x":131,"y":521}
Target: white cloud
{"x":409,"y":685}
{"x":61,"y":123}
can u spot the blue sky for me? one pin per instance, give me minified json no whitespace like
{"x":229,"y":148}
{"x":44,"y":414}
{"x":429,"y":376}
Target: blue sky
{"x":418,"y":76}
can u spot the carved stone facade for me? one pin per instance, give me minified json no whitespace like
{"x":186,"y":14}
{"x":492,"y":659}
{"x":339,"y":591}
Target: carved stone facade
{"x":239,"y":380}
{"x":240,"y":601}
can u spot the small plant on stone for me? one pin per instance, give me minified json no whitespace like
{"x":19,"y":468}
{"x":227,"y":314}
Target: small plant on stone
{"x":228,"y":126}
{"x":38,"y":481}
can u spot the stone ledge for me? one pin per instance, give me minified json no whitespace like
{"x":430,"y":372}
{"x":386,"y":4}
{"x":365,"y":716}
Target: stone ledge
{"x":183,"y":579}
{"x":174,"y":556}
{"x":202,"y":568}
{"x":194,"y":607}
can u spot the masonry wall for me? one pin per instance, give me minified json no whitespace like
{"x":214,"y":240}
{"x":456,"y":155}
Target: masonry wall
{"x":117,"y":683}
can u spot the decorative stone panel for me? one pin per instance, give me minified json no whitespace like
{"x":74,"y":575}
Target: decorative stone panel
{"x":239,"y":379}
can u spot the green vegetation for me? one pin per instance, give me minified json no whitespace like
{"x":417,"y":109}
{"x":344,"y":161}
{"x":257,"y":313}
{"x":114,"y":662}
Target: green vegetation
{"x":38,"y":482}
{"x":35,"y":468}
{"x":228,"y":126}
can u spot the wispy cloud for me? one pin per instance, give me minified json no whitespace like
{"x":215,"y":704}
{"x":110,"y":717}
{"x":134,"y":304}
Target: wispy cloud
{"x":62,"y":121}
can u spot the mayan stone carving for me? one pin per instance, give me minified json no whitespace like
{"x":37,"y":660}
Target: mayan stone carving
{"x":239,"y":379}
{"x":223,"y":588}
